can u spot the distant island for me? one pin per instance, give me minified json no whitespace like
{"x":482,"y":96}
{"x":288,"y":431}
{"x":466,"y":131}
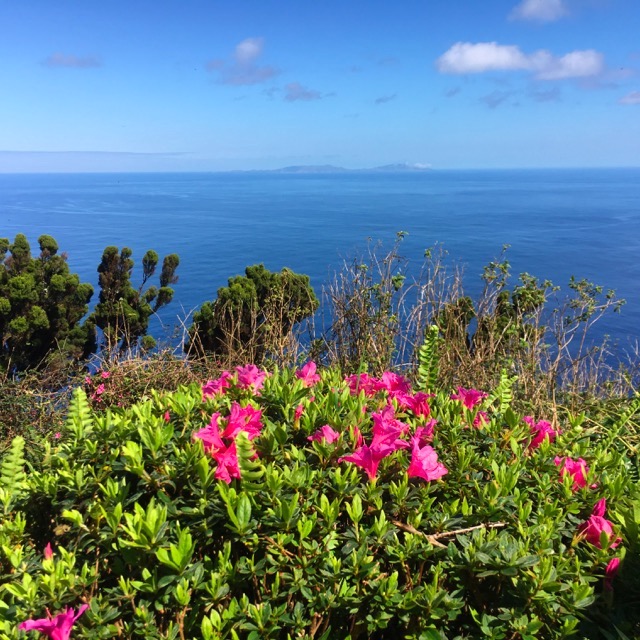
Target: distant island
{"x":328,"y":168}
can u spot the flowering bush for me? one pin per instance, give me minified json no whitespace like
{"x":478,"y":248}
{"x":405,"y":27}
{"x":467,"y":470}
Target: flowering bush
{"x":289,"y":506}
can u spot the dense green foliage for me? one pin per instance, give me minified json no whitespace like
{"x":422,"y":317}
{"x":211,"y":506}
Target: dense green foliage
{"x":41,"y":305}
{"x":304,"y":543}
{"x":253,"y":315}
{"x":123,"y":312}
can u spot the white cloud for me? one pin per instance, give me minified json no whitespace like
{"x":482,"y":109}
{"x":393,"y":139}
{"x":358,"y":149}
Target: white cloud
{"x":540,"y":10}
{"x":242,"y":68}
{"x":577,"y":64}
{"x":248,"y":50}
{"x":467,"y":57}
{"x":631,"y":98}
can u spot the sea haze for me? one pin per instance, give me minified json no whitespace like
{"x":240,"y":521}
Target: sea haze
{"x":558,"y":223}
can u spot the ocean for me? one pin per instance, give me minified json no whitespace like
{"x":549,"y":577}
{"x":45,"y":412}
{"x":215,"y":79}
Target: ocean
{"x":557,"y":223}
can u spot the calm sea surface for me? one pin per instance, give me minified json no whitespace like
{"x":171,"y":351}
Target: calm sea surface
{"x":558,"y":223}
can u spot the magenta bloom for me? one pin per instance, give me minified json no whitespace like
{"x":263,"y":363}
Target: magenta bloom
{"x":47,"y":552}
{"x":363,"y":382}
{"x":228,"y":466}
{"x":325,"y":433}
{"x":308,"y":374}
{"x":212,"y":388}
{"x":598,"y":524}
{"x":539,"y":431}
{"x":480,"y":419}
{"x":424,"y":435}
{"x":470,"y":398}
{"x":243,"y":419}
{"x":424,"y":462}
{"x":210,"y":435}
{"x":386,"y":432}
{"x":577,"y":469}
{"x":250,"y":377}
{"x":395,"y":384}
{"x":105,"y":374}
{"x":56,"y":627}
{"x":419,"y":404}
{"x":298,"y":412}
{"x":610,"y":573}
{"x":365,"y":457}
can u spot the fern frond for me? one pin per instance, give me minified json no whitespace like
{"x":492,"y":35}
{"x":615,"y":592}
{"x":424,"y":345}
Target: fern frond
{"x":503,"y":393}
{"x":428,"y":360}
{"x":79,"y":419}
{"x":12,"y":475}
{"x":251,"y":469}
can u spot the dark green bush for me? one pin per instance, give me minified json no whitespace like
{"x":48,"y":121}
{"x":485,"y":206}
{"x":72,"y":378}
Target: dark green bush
{"x":41,"y":305}
{"x":253,"y":316}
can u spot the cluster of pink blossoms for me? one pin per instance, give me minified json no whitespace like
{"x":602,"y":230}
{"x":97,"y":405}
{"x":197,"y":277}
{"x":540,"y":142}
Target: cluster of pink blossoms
{"x":389,"y":434}
{"x":247,"y":377}
{"x":597,"y":529}
{"x":218,"y":437}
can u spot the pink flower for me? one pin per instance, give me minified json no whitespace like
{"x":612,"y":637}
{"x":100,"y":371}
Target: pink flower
{"x":577,"y":469}
{"x":424,"y":462}
{"x":469,"y":397}
{"x":386,"y":432}
{"x":419,"y":404}
{"x":48,"y":552}
{"x":480,"y":419}
{"x":596,"y":525}
{"x":395,"y":384}
{"x":308,"y":374}
{"x":87,"y":379}
{"x":298,"y":412}
{"x":99,"y":390}
{"x":105,"y":374}
{"x":228,"y":466}
{"x":363,"y":382}
{"x":210,"y":435}
{"x":250,"y":376}
{"x":325,"y":433}
{"x":245,"y":419}
{"x":610,"y":573}
{"x":424,"y":435}
{"x":212,"y":388}
{"x":366,"y":458}
{"x":56,"y":627}
{"x":57,"y":435}
{"x":539,"y":431}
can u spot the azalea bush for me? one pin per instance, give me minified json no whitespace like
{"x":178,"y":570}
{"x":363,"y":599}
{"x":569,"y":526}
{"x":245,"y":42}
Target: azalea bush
{"x":305,"y":504}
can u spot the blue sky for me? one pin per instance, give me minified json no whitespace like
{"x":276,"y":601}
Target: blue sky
{"x":259,"y":84}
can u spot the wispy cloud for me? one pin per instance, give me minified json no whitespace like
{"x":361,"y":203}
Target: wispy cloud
{"x":631,"y":98}
{"x":496,"y":98}
{"x":468,"y":57}
{"x":385,"y":99}
{"x":59,"y":60}
{"x":549,"y":95}
{"x":389,"y":61}
{"x":243,"y":68}
{"x":539,"y":10}
{"x":454,"y":91}
{"x":295,"y":92}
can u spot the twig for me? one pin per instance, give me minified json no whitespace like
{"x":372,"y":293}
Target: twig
{"x":434,"y":537}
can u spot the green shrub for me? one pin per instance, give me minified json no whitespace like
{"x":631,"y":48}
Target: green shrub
{"x":167,"y":532}
{"x":253,"y":316}
{"x":41,"y":305}
{"x":123,"y":312}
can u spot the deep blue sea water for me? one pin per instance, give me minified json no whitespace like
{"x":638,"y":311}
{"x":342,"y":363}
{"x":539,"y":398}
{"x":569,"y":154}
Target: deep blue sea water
{"x":558,"y":223}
